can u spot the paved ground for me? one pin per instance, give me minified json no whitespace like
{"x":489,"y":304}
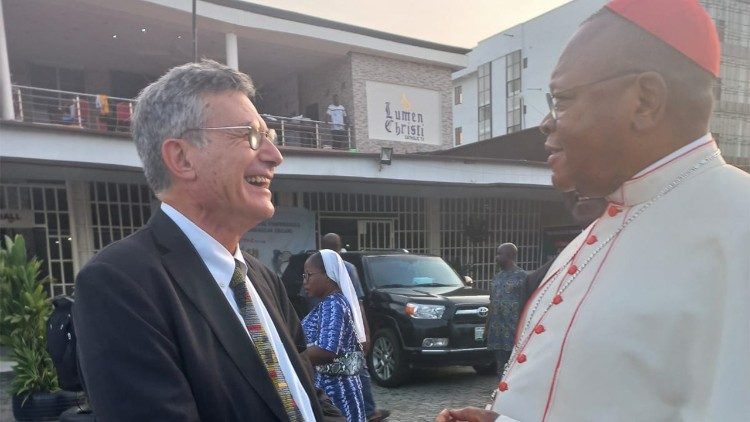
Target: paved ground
{"x":428,"y":392}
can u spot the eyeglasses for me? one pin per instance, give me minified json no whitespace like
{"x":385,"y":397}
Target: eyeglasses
{"x":552,"y":99}
{"x":307,"y":275}
{"x":253,"y":136}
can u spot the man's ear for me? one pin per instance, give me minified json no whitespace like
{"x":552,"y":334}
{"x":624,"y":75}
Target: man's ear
{"x":177,"y":158}
{"x":651,"y":97}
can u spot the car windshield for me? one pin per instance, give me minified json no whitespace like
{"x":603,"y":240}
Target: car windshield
{"x":411,"y":271}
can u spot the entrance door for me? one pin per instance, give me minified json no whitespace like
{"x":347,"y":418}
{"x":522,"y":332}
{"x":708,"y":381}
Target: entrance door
{"x":375,"y":234}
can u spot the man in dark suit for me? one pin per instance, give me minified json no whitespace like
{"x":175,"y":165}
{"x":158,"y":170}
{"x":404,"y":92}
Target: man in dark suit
{"x":174,"y":323}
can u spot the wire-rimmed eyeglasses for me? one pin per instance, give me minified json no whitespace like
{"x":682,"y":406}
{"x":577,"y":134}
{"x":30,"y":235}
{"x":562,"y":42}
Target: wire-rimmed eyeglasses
{"x":552,"y":99}
{"x":306,"y":275}
{"x":253,"y":135}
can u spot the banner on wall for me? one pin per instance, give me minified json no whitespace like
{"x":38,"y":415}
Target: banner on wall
{"x":291,"y":230}
{"x":403,"y":113}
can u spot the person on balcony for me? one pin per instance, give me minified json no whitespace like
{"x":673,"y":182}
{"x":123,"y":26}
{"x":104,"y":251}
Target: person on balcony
{"x":175,"y":323}
{"x":336,"y":116}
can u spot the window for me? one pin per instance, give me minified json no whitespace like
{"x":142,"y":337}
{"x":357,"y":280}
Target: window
{"x":513,"y":94}
{"x":484,"y":96}
{"x":458,"y":95}
{"x":459,"y":136}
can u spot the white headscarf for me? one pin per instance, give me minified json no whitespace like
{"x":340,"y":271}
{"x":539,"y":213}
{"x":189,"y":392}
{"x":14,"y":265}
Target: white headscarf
{"x":336,"y":271}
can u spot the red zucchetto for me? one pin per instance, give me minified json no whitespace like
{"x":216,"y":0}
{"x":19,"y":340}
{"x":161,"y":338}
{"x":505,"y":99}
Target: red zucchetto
{"x":683,"y":24}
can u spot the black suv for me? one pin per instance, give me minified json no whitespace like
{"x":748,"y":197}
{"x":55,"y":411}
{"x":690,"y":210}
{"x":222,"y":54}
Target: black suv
{"x":419,"y":311}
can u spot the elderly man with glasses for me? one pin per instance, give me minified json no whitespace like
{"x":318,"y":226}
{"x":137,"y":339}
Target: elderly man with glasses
{"x":175,"y":323}
{"x":644,"y":316}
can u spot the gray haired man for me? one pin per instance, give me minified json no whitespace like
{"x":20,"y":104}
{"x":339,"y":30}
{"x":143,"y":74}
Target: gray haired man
{"x":174,"y":323}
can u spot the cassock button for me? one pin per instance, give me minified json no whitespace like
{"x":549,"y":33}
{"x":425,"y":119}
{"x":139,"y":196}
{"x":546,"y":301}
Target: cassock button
{"x":521,"y":358}
{"x":591,"y":240}
{"x":539,"y":329}
{"x":572,"y":269}
{"x":613,"y":210}
{"x":557,"y":299}
{"x":502,"y":386}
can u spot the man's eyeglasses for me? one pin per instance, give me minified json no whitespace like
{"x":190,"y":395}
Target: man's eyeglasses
{"x":307,"y":275}
{"x":552,"y":99}
{"x":253,"y":136}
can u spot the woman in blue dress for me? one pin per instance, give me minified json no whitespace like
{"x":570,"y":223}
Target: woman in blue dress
{"x":334,"y":328}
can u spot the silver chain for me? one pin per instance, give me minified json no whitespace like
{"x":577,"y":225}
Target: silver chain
{"x":681,"y":178}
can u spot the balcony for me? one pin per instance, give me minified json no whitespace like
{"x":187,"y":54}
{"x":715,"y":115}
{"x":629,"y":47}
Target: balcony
{"x":113,"y":114}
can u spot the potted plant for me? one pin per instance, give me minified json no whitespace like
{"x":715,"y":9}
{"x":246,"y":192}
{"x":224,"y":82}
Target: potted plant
{"x":24,"y":309}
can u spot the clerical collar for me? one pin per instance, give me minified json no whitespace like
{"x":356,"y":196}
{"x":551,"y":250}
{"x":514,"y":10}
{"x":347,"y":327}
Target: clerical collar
{"x":649,"y":181}
{"x":695,"y":144}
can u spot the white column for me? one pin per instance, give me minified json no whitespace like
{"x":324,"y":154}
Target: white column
{"x":81,"y":228}
{"x":432,"y":211}
{"x":231,"y":45}
{"x":6,"y":94}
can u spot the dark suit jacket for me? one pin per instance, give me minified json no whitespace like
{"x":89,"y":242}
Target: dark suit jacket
{"x":157,"y":340}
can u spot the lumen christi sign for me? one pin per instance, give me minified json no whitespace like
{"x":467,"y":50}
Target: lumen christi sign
{"x":403,"y":113}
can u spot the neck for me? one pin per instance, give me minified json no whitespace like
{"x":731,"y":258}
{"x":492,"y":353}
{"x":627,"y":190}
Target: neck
{"x":226,"y":229}
{"x":508,"y":266}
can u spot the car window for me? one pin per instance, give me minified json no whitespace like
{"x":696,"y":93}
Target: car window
{"x":411,"y":271}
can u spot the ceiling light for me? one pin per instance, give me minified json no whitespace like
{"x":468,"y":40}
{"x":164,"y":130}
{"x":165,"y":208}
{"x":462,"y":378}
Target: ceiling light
{"x":114,"y":36}
{"x":179,"y":37}
{"x":143,"y":29}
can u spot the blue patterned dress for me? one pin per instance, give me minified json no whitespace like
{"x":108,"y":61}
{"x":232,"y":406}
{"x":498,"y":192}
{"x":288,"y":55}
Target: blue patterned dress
{"x":507,"y":296}
{"x":329,"y":326}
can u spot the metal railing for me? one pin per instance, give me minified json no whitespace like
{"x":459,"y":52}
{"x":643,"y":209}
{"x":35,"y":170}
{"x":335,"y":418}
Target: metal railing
{"x":55,"y":107}
{"x":307,"y":133}
{"x":113,"y":114}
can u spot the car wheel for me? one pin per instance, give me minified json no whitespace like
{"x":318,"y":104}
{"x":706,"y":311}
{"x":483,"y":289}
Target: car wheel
{"x":387,"y":365}
{"x":486,"y":369}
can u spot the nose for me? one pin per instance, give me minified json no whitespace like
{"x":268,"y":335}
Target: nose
{"x":547,"y":125}
{"x":269,"y":153}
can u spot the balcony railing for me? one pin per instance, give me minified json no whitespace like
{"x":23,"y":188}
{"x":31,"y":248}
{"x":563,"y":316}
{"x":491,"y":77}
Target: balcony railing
{"x":113,"y":114}
{"x":54,"y":107}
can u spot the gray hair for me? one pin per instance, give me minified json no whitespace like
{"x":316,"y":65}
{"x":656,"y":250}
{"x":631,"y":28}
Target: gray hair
{"x":175,"y":103}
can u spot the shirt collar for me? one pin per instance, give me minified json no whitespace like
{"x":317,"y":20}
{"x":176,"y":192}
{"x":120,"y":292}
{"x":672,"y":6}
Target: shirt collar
{"x":216,"y":257}
{"x":647,"y":183}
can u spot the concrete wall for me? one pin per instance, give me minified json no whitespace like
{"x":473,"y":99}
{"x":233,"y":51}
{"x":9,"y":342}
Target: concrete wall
{"x":280,"y":98}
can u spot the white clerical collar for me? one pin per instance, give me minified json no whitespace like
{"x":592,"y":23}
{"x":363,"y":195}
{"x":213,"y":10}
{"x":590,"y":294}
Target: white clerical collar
{"x":218,"y":259}
{"x":689,"y":147}
{"x":651,"y":180}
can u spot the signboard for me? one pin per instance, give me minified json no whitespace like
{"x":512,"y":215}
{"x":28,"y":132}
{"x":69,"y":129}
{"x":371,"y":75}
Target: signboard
{"x":291,"y":230}
{"x":16,"y":219}
{"x":403,"y":113}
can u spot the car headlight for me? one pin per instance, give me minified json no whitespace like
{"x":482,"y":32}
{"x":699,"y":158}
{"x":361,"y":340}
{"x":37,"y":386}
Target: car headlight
{"x":422,"y":311}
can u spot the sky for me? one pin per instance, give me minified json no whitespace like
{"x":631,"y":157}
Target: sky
{"x":460,"y":23}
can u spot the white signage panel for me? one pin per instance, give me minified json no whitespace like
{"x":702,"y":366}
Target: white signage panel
{"x":403,"y":113}
{"x":291,"y":230}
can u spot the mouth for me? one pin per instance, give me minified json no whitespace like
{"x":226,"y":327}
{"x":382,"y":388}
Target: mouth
{"x":259,"y":181}
{"x":554,"y":153}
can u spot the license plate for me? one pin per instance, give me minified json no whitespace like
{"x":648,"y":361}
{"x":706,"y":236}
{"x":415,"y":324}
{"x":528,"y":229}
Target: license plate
{"x":478,"y":333}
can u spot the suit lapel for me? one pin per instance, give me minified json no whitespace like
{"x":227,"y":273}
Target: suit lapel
{"x":193,"y":278}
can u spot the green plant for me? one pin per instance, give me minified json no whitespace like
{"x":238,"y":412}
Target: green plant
{"x":24,"y":309}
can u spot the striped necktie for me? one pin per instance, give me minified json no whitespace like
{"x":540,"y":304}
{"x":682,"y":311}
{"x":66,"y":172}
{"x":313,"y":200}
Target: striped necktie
{"x":261,"y":341}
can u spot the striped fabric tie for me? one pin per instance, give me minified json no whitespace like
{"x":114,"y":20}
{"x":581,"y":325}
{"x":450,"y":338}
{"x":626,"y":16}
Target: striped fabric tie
{"x":261,"y":341}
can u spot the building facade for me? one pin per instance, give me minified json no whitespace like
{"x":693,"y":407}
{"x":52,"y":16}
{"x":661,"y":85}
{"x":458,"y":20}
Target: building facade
{"x":71,"y":180}
{"x":502,"y":89}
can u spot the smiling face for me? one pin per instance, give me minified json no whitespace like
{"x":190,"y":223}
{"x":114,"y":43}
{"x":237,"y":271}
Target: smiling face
{"x":233,"y":181}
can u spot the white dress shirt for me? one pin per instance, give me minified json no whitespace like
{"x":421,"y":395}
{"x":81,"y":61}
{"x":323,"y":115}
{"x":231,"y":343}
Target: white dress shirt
{"x":220,"y":264}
